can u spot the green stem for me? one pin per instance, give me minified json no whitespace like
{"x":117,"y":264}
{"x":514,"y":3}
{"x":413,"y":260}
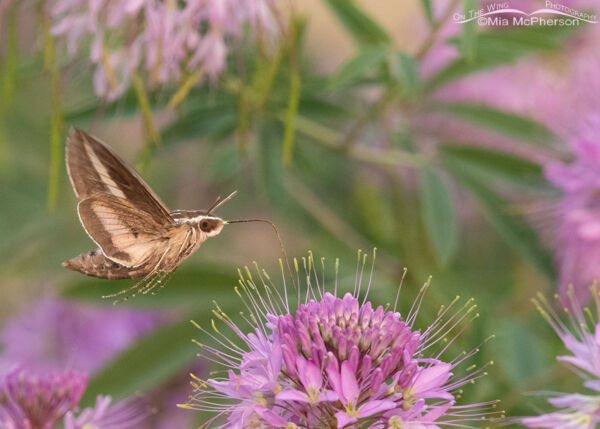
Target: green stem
{"x":265,"y":77}
{"x":290,"y":119}
{"x":243,"y":121}
{"x":151,"y":132}
{"x":8,"y":76}
{"x":56,"y":121}
{"x":184,"y":88}
{"x":435,"y":30}
{"x":11,"y":57}
{"x":293,"y":99}
{"x":330,"y":138}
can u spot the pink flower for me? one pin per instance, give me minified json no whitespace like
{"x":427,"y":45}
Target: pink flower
{"x":128,"y":414}
{"x":578,"y":238}
{"x":51,"y":333}
{"x":211,"y":52}
{"x":346,"y":386}
{"x":429,"y":382}
{"x":311,"y":391}
{"x":38,"y":402}
{"x":332,"y":361}
{"x":578,"y":412}
{"x":159,"y":39}
{"x":582,"y":338}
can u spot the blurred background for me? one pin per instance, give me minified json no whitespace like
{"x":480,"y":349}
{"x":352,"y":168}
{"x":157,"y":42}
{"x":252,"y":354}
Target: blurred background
{"x":353,"y":125}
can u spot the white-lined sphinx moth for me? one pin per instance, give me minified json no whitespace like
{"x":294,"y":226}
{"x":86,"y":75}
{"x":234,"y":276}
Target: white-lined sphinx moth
{"x":137,"y":236}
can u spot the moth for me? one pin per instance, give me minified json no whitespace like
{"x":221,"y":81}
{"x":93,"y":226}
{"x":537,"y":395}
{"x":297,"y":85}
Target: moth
{"x":136,"y":234}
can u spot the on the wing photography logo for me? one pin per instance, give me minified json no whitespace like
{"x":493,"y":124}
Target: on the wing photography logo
{"x":501,"y":14}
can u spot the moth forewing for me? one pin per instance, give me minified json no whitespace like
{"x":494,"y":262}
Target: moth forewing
{"x":94,"y":168}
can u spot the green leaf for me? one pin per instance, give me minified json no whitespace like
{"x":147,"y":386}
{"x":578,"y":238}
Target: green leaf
{"x":148,"y":363}
{"x":377,"y":219}
{"x":187,"y":287}
{"x":405,"y":70}
{"x":427,"y":10}
{"x":506,"y":123}
{"x":359,"y":68}
{"x":317,"y":108}
{"x":360,"y":26}
{"x":439,"y":215}
{"x":156,"y":358}
{"x":201,"y":122}
{"x":491,"y":164}
{"x":495,"y":48}
{"x":270,"y":168}
{"x":127,"y":104}
{"x":512,"y":227}
{"x":224,"y":162}
{"x":367,"y":61}
{"x":524,"y":354}
{"x":468,"y":39}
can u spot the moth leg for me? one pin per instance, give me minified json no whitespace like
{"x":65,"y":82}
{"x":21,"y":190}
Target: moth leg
{"x":161,"y":276}
{"x":155,"y":277}
{"x":155,"y":282}
{"x":129,"y":289}
{"x":141,"y":285}
{"x":163,"y":283}
{"x":147,"y":283}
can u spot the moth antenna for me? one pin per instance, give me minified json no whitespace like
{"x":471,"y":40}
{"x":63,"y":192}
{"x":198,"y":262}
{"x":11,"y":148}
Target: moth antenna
{"x":219,"y":202}
{"x":281,"y":245}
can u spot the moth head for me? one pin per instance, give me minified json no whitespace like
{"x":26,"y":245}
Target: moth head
{"x":211,"y":225}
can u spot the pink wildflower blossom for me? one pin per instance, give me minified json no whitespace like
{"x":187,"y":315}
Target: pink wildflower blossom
{"x":334,"y":361}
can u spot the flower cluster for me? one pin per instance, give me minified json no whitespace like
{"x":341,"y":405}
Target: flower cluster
{"x":52,"y":334}
{"x":29,"y":401}
{"x":579,"y":225}
{"x":167,"y":39}
{"x":582,"y":339}
{"x":334,"y":362}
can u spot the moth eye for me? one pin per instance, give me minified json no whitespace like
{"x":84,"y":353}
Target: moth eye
{"x":204,"y":225}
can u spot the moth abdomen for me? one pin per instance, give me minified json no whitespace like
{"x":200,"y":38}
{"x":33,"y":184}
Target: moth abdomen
{"x":95,"y":264}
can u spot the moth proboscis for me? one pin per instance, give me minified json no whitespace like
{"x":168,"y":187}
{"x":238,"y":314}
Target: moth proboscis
{"x":137,"y":236}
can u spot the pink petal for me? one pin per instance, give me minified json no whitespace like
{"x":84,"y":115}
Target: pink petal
{"x":350,"y":390}
{"x":593,"y":384}
{"x":270,"y":417}
{"x":292,"y":395}
{"x":328,"y":396}
{"x":309,"y":373}
{"x":334,"y":376}
{"x":374,"y":407}
{"x":416,"y":425}
{"x":432,"y":378}
{"x":343,"y":419}
{"x":437,"y":412}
